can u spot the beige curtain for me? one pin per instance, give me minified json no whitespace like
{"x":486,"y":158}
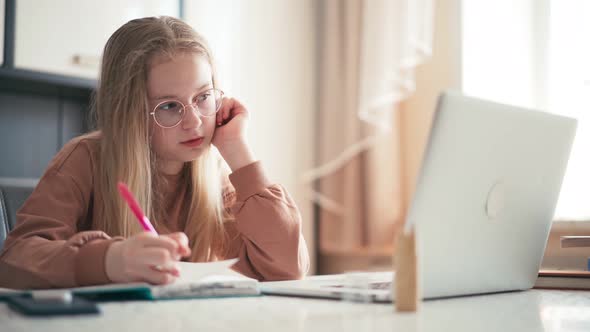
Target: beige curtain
{"x":368,"y":50}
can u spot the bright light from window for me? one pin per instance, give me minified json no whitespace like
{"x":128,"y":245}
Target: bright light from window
{"x":569,"y":94}
{"x":522,"y":53}
{"x":497,"y":51}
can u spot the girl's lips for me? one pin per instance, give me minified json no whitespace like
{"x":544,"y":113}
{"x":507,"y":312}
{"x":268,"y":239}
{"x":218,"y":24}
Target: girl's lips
{"x":193,"y":142}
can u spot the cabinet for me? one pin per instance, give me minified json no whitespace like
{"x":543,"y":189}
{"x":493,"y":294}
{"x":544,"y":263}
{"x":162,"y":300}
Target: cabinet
{"x":66,"y":37}
{"x":50,"y":62}
{"x":2,"y":15}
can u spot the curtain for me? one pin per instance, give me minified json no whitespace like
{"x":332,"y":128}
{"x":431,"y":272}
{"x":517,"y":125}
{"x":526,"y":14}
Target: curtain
{"x":367,"y":54}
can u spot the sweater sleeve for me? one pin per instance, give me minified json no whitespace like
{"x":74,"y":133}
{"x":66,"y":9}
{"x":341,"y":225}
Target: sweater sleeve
{"x":266,"y":231}
{"x":46,"y":249}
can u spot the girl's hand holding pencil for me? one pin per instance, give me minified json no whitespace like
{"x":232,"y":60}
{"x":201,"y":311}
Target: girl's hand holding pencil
{"x":146,"y":256}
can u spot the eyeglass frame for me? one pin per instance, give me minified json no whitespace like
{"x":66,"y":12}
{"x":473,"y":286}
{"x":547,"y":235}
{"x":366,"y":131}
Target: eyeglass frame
{"x":193,"y":104}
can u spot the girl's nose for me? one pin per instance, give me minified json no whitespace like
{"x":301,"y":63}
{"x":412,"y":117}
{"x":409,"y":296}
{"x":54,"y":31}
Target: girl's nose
{"x":192,"y":118}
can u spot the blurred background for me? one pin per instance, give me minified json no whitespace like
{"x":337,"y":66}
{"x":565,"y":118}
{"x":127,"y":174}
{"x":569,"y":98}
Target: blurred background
{"x":341,"y":94}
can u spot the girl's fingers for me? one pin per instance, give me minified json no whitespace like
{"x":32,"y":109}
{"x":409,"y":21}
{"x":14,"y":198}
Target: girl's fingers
{"x":159,"y":260}
{"x":229,"y":109}
{"x":161,"y":242}
{"x":226,"y":110}
{"x":157,"y":277}
{"x":171,"y":269}
{"x":182,"y":241}
{"x":155,"y":256}
{"x":219,"y":117}
{"x":238,"y":109}
{"x":226,"y":104}
{"x":179,"y":237}
{"x":225,"y":113}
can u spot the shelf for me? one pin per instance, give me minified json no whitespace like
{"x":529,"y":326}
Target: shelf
{"x":45,"y":83}
{"x":384,"y":251}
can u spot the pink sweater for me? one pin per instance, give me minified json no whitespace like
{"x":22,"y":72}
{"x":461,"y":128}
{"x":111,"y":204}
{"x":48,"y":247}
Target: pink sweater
{"x":55,"y":243}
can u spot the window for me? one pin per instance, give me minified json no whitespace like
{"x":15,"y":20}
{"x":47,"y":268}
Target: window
{"x":568,"y":85}
{"x":535,"y":54}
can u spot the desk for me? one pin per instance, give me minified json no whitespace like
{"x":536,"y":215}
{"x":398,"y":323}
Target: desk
{"x":534,"y":310}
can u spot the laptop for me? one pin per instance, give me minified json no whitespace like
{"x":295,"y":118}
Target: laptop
{"x":482,"y":207}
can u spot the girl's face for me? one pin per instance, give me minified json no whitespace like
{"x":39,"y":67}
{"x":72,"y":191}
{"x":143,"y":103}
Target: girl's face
{"x":183,"y":78}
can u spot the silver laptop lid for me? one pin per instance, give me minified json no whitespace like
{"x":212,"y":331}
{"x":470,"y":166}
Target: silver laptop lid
{"x":486,"y":195}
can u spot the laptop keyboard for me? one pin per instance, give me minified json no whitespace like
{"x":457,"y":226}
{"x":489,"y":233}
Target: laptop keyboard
{"x":381,"y":285}
{"x":373,"y":285}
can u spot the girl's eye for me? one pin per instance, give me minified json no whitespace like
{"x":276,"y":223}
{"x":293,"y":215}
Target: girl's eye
{"x":203,"y":97}
{"x":170,"y":106}
{"x":167,"y":106}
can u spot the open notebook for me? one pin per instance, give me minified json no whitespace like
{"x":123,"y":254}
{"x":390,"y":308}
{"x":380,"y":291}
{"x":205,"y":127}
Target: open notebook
{"x":214,"y":279}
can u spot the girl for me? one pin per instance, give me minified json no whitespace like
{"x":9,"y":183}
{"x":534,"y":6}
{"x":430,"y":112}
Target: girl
{"x":158,"y":110}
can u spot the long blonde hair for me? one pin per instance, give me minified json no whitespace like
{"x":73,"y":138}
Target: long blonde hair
{"x":121,"y":114}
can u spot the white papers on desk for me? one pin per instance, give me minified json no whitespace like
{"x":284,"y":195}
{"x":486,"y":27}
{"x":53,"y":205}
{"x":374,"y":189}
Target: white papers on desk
{"x":207,"y":280}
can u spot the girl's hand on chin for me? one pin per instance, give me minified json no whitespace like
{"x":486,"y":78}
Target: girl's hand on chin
{"x":231,"y":122}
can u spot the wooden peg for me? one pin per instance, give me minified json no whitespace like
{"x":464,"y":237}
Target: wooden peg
{"x":406,"y":273}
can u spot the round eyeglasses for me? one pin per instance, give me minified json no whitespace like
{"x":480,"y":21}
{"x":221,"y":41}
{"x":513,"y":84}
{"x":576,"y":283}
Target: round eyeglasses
{"x":169,"y":113}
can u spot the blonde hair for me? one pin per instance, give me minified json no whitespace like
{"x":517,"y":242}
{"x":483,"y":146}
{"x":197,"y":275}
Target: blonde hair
{"x":121,"y":113}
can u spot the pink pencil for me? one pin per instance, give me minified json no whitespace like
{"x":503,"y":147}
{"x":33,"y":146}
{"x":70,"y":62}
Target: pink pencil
{"x":143,"y":220}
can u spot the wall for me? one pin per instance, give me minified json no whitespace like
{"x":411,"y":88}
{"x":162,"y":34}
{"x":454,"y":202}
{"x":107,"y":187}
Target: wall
{"x":265,"y":51}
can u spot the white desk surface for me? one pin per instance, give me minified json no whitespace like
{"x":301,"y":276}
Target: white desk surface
{"x":534,"y":310}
